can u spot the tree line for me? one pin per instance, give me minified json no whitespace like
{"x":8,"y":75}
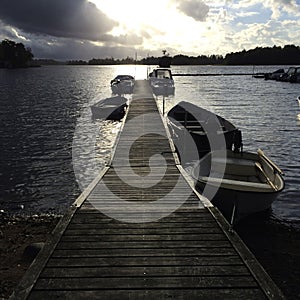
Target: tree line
{"x":14,"y":55}
{"x":287,"y":55}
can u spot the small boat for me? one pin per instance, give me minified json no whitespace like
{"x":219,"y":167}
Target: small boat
{"x":162,"y":78}
{"x":187,"y":120}
{"x":112,"y":108}
{"x":239,"y":184}
{"x":120,"y":78}
{"x":122,"y":84}
{"x":274,"y":75}
{"x":298,"y":99}
{"x":292,"y":75}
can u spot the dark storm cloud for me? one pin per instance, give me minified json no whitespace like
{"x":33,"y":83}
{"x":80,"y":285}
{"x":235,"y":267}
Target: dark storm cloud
{"x":61,"y":18}
{"x":196,"y":9}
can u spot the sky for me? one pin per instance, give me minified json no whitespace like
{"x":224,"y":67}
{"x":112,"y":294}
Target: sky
{"x":85,"y":29}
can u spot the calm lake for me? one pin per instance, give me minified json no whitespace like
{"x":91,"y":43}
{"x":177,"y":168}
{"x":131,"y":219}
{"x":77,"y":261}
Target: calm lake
{"x":46,"y":119}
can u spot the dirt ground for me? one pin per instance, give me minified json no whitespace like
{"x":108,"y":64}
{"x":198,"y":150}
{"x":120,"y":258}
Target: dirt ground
{"x":275,"y":245}
{"x":15,"y":234}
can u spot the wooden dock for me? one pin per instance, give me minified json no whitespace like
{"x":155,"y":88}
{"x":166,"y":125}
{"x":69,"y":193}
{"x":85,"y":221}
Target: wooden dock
{"x":147,"y":236}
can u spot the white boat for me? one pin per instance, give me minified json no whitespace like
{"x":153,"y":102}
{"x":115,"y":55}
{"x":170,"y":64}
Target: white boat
{"x":239,"y":184}
{"x":298,"y":100}
{"x":112,"y":108}
{"x":122,"y":84}
{"x":161,"y":79}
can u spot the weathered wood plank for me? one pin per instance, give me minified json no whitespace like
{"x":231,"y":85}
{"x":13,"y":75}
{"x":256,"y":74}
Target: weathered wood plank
{"x":144,"y":271}
{"x":147,"y":252}
{"x":152,"y":231}
{"x":142,"y":244}
{"x":88,"y":225}
{"x":145,"y":282}
{"x":102,"y":219}
{"x":229,"y":260}
{"x":133,"y":294}
{"x":185,"y":238}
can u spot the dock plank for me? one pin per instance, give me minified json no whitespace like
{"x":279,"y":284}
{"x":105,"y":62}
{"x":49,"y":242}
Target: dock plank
{"x":225,"y":260}
{"x":132,"y":294}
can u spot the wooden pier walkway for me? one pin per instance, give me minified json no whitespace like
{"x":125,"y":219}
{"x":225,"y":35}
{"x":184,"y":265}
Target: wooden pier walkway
{"x":146,"y":235}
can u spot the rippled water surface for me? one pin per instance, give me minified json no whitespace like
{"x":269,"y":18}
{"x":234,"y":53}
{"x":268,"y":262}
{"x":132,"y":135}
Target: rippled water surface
{"x":46,"y":121}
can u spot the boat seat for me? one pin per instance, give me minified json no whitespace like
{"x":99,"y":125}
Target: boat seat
{"x":234,"y":161}
{"x":193,"y":127}
{"x":238,"y":184}
{"x":235,"y":166}
{"x":198,"y":132}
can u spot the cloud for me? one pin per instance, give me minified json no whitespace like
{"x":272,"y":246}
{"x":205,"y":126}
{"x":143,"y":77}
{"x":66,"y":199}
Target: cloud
{"x":78,"y":19}
{"x":7,"y":32}
{"x":288,"y":6}
{"x":247,"y":14}
{"x":198,"y":10}
{"x":277,"y":7}
{"x":266,"y":35}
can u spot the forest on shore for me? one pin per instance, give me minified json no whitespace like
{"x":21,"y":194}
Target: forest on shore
{"x":287,"y":55}
{"x":15,"y":55}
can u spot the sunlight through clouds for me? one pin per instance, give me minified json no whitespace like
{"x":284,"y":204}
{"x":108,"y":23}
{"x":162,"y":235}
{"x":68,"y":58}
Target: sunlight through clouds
{"x":120,"y":28}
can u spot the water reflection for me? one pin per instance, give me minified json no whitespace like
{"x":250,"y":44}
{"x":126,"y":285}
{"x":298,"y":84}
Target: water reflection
{"x":298,"y":119}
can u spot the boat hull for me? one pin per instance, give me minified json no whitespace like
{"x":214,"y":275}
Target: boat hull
{"x":113,"y":108}
{"x":122,"y":87}
{"x":248,"y":181}
{"x":245,"y":203}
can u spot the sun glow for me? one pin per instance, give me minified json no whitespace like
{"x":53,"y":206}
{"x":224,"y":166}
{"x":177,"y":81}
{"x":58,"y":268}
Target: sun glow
{"x":131,"y":13}
{"x":160,"y":24}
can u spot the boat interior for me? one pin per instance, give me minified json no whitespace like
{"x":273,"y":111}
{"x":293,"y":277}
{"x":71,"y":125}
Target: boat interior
{"x":241,"y":171}
{"x":195,"y":122}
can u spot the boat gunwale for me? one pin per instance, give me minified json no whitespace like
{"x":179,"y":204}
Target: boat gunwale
{"x":209,"y":182}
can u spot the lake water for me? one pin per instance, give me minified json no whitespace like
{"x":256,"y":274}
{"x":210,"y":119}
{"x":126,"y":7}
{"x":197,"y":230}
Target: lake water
{"x":46,"y":120}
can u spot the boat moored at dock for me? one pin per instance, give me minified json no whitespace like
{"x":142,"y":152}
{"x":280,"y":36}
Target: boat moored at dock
{"x":112,"y":108}
{"x":244,"y":182}
{"x":122,"y":84}
{"x":161,"y":77}
{"x":188,"y":119}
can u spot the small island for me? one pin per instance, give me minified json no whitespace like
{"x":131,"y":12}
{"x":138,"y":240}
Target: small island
{"x":15,"y":55}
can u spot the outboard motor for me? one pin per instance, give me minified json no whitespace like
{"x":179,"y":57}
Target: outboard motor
{"x":237,"y":141}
